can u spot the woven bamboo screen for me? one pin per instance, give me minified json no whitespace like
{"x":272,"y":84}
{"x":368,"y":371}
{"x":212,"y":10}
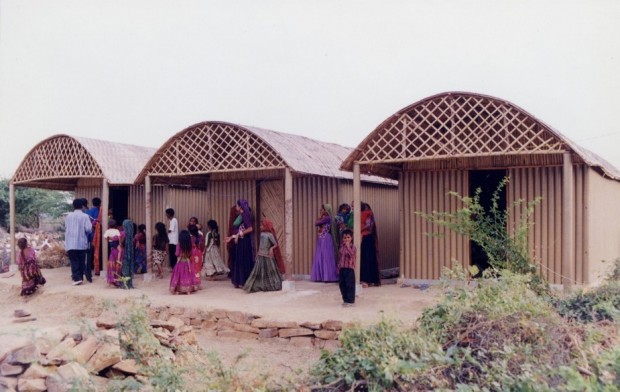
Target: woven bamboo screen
{"x":59,"y":157}
{"x":456,"y":125}
{"x":214,"y":147}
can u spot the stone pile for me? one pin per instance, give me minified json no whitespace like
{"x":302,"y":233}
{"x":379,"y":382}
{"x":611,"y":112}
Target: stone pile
{"x":236,"y":324}
{"x":59,"y":360}
{"x":50,"y":248}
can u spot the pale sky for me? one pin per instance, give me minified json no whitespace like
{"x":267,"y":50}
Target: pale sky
{"x":139,"y":71}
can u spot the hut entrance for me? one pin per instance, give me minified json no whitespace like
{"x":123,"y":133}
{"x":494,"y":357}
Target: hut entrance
{"x":487,"y":181}
{"x":271,"y":205}
{"x":119,"y":203}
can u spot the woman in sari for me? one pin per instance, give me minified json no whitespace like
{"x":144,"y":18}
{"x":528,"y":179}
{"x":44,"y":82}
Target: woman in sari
{"x":28,"y":268}
{"x":344,"y":219}
{"x":369,"y":263}
{"x":198,"y":246}
{"x":243,"y":245}
{"x":114,"y":238}
{"x":324,"y":265}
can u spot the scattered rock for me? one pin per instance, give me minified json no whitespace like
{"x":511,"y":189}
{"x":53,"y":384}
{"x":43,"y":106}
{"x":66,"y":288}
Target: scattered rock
{"x":31,"y":384}
{"x":334,"y":325}
{"x":6,"y":369}
{"x":290,"y":332}
{"x":25,"y":355}
{"x":326,"y":334}
{"x":21,"y":313}
{"x":24,"y":319}
{"x":237,"y":335}
{"x":127,"y":366}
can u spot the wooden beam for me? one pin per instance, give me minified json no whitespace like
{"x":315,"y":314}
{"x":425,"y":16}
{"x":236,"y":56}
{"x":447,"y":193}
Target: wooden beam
{"x":568,"y":226}
{"x":288,"y":223}
{"x":105,"y":204}
{"x":357,"y":232}
{"x":12,"y":220}
{"x":148,"y":218}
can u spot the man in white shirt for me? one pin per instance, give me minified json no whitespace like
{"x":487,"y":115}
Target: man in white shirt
{"x":173,"y":237}
{"x":77,"y":229}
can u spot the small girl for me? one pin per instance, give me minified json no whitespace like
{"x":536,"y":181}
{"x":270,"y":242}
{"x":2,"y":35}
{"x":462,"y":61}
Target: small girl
{"x":113,"y":235}
{"x":160,"y":248}
{"x":265,"y":275}
{"x":213,"y":263}
{"x":182,"y":279}
{"x":28,"y":268}
{"x":346,"y":268}
{"x":139,"y":243}
{"x":198,"y":246}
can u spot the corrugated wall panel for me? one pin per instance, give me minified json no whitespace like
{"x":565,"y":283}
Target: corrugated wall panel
{"x":426,"y":255}
{"x":385,"y":206}
{"x":88,"y":192}
{"x":545,"y":232}
{"x":309,"y":193}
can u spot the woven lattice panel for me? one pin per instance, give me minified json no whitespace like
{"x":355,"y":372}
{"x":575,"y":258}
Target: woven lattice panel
{"x":215,"y":147}
{"x":58,"y":157}
{"x":459,"y":126}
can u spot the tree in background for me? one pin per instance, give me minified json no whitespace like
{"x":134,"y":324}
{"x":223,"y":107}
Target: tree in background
{"x":30,"y":203}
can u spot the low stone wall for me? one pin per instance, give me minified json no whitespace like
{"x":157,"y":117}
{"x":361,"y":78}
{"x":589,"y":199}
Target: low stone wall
{"x":240,"y":325}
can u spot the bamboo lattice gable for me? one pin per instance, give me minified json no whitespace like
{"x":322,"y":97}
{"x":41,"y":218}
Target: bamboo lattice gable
{"x":60,"y":161}
{"x":460,"y":125}
{"x":220,"y":150}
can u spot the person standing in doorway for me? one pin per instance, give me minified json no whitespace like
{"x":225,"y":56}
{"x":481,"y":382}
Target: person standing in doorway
{"x":94,"y":248}
{"x":173,"y":237}
{"x":77,"y":229}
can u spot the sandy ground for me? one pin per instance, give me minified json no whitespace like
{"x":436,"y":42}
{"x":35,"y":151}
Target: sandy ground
{"x":61,"y":303}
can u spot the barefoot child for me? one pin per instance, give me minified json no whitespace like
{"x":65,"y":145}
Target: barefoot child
{"x":28,"y":268}
{"x":213,"y":263}
{"x":160,"y":248}
{"x":113,"y":236}
{"x":182,"y":279}
{"x":346,"y":267}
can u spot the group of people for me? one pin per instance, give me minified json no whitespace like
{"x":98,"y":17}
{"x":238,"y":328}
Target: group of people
{"x":194,"y":254}
{"x":198,"y":255}
{"x":334,"y":257}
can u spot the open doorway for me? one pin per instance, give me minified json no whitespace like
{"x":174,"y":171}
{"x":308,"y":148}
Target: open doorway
{"x":119,"y":203}
{"x":487,"y":181}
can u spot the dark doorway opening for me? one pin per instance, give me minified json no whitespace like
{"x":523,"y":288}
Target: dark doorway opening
{"x":487,"y":181}
{"x":119,"y":203}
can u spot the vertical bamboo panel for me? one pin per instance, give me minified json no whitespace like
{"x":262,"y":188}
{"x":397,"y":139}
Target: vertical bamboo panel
{"x":545,"y":235}
{"x":426,"y":255}
{"x":271,"y":205}
{"x":88,"y":192}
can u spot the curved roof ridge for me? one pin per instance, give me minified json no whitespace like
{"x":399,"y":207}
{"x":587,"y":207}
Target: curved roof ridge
{"x":588,"y":157}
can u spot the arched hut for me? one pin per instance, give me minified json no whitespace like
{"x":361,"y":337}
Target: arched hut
{"x":283,"y":176}
{"x":88,"y":167}
{"x":460,"y":141}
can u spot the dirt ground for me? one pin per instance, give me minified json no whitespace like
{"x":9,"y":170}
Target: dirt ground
{"x":61,"y":303}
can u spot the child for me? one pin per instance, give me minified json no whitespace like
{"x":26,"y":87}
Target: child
{"x":182,"y":279}
{"x":139,"y":243}
{"x":213,"y":263}
{"x":265,"y":275}
{"x":28,"y":268}
{"x":346,"y":267}
{"x":198,"y":246}
{"x":160,"y":248}
{"x":113,"y":235}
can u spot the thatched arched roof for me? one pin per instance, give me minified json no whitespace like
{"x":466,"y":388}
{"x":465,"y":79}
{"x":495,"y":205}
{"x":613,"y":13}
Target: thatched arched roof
{"x":214,"y":150}
{"x":466,"y":127}
{"x":60,"y":161}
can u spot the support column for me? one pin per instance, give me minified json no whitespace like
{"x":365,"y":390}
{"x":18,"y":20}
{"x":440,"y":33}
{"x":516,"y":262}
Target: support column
{"x":401,"y":234}
{"x":357,"y":227}
{"x":12,"y":221}
{"x":149,"y":218}
{"x":288,"y":223}
{"x":568,"y":222}
{"x":105,"y":204}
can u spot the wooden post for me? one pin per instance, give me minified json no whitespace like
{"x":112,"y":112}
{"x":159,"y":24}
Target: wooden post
{"x":401,"y":234}
{"x":149,"y":218}
{"x":568,"y":222}
{"x":12,"y":220}
{"x":105,"y":204}
{"x":357,"y":227}
{"x":288,"y":223}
